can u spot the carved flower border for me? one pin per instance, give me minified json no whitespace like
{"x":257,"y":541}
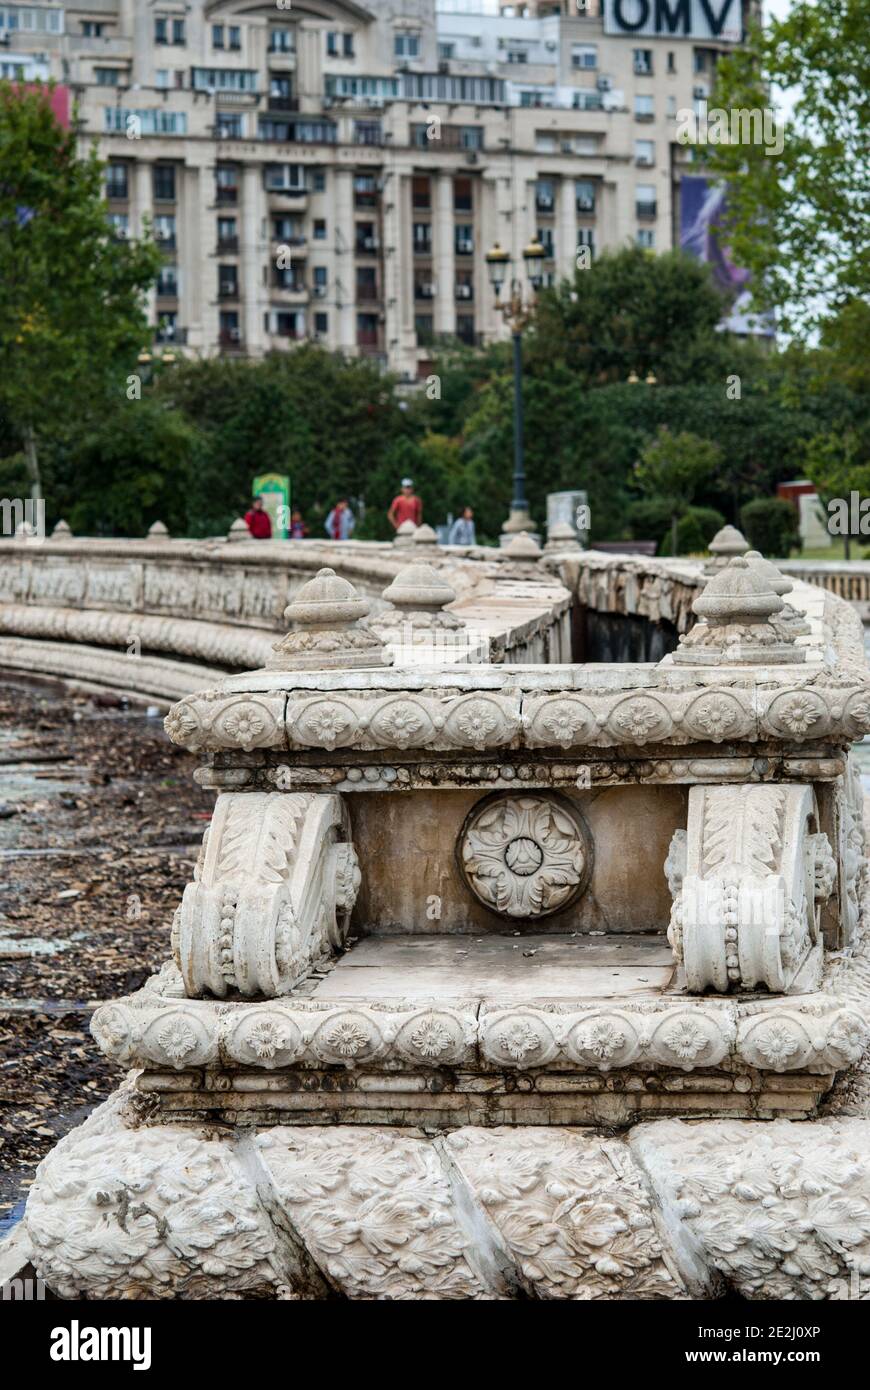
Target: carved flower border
{"x":147,"y":1030}
{"x":485,"y":719}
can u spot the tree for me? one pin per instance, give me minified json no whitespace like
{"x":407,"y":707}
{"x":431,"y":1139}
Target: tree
{"x":839,"y":465}
{"x":673,"y":466}
{"x":71,"y":297}
{"x":798,"y":219}
{"x":635,"y":312}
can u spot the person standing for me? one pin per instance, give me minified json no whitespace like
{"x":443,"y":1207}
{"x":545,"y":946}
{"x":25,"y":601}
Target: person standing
{"x":462,"y":530}
{"x":340,"y":522}
{"x":298,"y":527}
{"x":257,"y":521}
{"x":406,"y":506}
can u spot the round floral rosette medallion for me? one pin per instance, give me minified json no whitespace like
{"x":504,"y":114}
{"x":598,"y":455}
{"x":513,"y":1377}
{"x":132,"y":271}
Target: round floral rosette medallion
{"x":525,"y":856}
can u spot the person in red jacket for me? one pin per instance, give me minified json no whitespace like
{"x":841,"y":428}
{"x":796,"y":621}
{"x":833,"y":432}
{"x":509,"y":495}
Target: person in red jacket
{"x":406,"y":506}
{"x":257,"y":521}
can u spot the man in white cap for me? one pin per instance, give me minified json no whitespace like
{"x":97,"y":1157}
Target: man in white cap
{"x":406,"y":506}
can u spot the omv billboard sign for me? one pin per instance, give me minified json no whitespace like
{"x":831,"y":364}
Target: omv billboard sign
{"x":675,"y":19}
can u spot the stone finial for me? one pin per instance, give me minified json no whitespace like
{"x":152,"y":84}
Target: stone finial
{"x":239,"y":530}
{"x":424,"y":535}
{"x":61,"y":532}
{"x":790,"y":621}
{"x":326,"y":614}
{"x":417,"y":629}
{"x":158,"y":532}
{"x":522,"y":547}
{"x":561,"y":536}
{"x":726,"y":543}
{"x":405,"y":533}
{"x":737,"y":607}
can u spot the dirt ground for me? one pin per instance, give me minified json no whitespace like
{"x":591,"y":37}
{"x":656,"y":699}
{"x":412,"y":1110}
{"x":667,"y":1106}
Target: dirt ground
{"x":100,"y":820}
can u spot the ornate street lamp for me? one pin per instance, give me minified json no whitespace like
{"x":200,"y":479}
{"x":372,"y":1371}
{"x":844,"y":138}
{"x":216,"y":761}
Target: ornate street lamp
{"x":516,"y":311}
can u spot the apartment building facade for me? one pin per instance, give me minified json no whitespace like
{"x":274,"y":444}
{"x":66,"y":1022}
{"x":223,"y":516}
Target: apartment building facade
{"x":331,"y":171}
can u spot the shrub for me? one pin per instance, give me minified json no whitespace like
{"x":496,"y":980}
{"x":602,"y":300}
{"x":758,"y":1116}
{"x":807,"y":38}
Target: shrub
{"x":770,"y":524}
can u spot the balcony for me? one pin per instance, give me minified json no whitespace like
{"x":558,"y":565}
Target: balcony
{"x":465,"y":292}
{"x":586,"y":206}
{"x":230,"y":340}
{"x":646,"y":209}
{"x":172,"y":337}
{"x":367,"y":292}
{"x":228,"y":289}
{"x":545,"y":204}
{"x":282,"y":103}
{"x":366,"y":246}
{"x":227,"y":246}
{"x":422,"y":248}
{"x":424,"y":289}
{"x":227,"y":195}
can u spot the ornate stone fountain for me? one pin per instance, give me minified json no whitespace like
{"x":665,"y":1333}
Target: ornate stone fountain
{"x":447,"y":922}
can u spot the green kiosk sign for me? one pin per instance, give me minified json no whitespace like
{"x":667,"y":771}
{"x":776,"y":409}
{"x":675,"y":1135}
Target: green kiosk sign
{"x":274,"y":488}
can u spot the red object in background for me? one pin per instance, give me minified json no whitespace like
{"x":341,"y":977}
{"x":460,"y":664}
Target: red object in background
{"x":258,"y":524}
{"x":790,"y":492}
{"x":59,"y":100}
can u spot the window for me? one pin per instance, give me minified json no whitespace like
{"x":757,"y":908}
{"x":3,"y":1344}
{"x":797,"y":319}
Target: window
{"x":366,"y":282}
{"x":119,"y":222}
{"x":421,"y":196}
{"x":168,"y":30}
{"x":465,"y":329}
{"x":545,"y":195}
{"x":227,"y":232}
{"x":280,"y":91}
{"x":367,"y":133}
{"x":518,"y":55}
{"x":584,"y":192}
{"x":463,"y":239}
{"x":332,"y":43}
{"x":643,"y":62}
{"x":446,"y":51}
{"x":156,"y":122}
{"x":424,"y":326}
{"x":92,"y":29}
{"x":282,"y":40}
{"x":289,"y":230}
{"x":672,"y":63}
{"x":167,"y":326}
{"x":116,"y":181}
{"x":671,"y":106}
{"x":217,"y":36}
{"x":30,"y":20}
{"x":462,"y":195}
{"x":422,"y":233}
{"x":545,"y":237}
{"x":320,"y":229}
{"x":108,"y":77}
{"x":287,"y":278}
{"x":347,"y":45}
{"x":339,"y":45}
{"x":365,"y":239}
{"x":644,"y":152}
{"x":230,"y":125}
{"x":406,"y":45}
{"x":167,"y":281}
{"x":223,"y":79}
{"x":164,"y":228}
{"x":367,"y":330}
{"x":587,"y":101}
{"x":161,"y":77}
{"x":471,"y":137}
{"x":646,"y":237}
{"x":586,"y":238}
{"x":585,"y":56}
{"x":163,"y":182}
{"x":321,"y":323}
{"x":226,"y":179}
{"x":285,"y":178}
{"x":645,"y":200}
{"x":318,"y":181}
{"x":230,"y":333}
{"x":228,"y":282}
{"x":643,"y":107}
{"x":319,"y":280}
{"x":464,"y":286}
{"x":234,"y":38}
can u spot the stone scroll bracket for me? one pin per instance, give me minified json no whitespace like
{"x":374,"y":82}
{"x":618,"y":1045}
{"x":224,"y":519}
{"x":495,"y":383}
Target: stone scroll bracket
{"x":272,"y":894}
{"x":749,"y":876}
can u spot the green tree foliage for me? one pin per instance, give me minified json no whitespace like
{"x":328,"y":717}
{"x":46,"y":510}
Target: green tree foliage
{"x":71,"y":297}
{"x":672,"y":467}
{"x":798,"y":220}
{"x":770,"y":524}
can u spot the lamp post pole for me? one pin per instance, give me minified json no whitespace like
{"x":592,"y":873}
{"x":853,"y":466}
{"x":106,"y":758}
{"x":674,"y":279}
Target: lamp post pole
{"x":516,"y":311}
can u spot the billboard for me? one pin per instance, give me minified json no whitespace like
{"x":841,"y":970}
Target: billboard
{"x":721,"y":20}
{"x":702,"y":235}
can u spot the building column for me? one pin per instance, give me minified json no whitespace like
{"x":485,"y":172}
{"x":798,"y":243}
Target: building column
{"x":188,"y":182}
{"x":444,"y":254}
{"x":566,"y":230}
{"x":344,"y":288}
{"x":251,"y":262}
{"x":142,"y":210}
